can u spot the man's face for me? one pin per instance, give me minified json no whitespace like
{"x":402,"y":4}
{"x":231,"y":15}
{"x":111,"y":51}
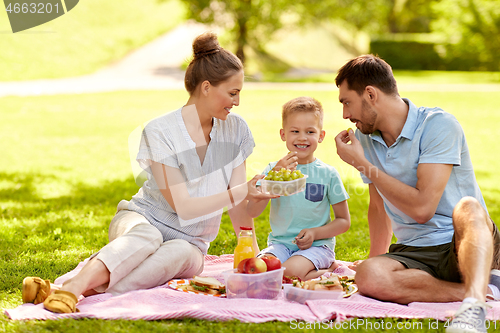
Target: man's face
{"x":357,"y":109}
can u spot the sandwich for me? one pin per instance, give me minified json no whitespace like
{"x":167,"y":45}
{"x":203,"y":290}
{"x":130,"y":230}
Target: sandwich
{"x":208,"y":285}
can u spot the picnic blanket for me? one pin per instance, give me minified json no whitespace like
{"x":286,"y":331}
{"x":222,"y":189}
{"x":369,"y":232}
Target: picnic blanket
{"x":165,"y":303}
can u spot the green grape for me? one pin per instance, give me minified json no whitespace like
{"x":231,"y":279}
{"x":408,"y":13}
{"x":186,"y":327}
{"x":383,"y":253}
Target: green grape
{"x":283,"y":175}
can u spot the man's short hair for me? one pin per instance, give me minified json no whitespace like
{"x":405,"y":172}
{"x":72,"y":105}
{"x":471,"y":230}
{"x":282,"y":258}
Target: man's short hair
{"x":302,"y":104}
{"x":367,"y":70}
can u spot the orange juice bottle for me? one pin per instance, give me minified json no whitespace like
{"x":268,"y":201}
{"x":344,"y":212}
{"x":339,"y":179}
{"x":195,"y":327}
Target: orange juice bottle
{"x":244,"y":249}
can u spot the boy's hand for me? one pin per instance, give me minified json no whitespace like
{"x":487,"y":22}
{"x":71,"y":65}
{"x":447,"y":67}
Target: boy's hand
{"x":304,"y":239}
{"x":355,"y":265}
{"x":288,"y":162}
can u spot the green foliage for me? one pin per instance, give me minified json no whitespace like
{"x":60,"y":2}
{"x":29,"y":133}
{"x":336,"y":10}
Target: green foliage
{"x":356,"y":14}
{"x":85,"y":39}
{"x":472,"y":27}
{"x":250,"y":23}
{"x":373,"y":17}
{"x":412,"y":16}
{"x":407,"y":54}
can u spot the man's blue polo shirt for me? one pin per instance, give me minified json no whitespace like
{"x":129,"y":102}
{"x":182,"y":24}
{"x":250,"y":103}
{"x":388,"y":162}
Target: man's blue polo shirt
{"x":429,"y":135}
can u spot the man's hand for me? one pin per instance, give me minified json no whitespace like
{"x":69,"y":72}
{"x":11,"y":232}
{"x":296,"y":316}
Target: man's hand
{"x":304,"y":239}
{"x":349,"y":148}
{"x":289,"y":161}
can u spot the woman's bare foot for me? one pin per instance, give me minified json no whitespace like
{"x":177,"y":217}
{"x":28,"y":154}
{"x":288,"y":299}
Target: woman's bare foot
{"x":54,"y":287}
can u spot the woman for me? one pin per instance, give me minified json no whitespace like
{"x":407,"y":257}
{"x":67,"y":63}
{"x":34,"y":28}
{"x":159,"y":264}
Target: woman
{"x":195,"y":161}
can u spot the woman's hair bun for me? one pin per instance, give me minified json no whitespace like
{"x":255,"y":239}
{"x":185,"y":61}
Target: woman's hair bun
{"x":210,"y":63}
{"x":205,"y":44}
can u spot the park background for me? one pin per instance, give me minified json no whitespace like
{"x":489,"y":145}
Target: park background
{"x":65,"y":157}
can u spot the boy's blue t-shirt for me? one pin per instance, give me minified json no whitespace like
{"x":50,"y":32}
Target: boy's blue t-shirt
{"x":306,"y":209}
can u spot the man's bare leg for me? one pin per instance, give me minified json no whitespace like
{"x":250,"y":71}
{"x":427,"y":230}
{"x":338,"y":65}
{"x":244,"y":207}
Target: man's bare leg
{"x":474,"y":246}
{"x":386,"y":279}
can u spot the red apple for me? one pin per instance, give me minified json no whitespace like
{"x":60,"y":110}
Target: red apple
{"x":241,"y":266}
{"x":236,"y":284}
{"x":256,"y":291}
{"x":255,"y":265}
{"x":272,"y":263}
{"x":272,"y":288}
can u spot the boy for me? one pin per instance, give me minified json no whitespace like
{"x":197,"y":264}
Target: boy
{"x":303,"y":233}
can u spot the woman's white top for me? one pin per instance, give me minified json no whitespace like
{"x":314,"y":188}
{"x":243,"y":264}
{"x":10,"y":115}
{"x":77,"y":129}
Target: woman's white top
{"x":166,"y":140}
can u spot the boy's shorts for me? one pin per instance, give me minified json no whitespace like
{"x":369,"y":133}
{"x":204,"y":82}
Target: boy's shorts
{"x":439,"y":261}
{"x":321,"y":256}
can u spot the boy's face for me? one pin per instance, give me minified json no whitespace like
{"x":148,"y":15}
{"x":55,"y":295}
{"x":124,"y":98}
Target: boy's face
{"x":302,"y":134}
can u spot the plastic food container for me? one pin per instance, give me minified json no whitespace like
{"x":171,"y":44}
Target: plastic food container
{"x":302,"y":295}
{"x":261,"y":285}
{"x":284,"y":188}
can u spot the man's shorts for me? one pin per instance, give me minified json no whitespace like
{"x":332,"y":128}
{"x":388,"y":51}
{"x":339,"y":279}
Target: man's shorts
{"x":321,"y":256}
{"x":439,"y":261}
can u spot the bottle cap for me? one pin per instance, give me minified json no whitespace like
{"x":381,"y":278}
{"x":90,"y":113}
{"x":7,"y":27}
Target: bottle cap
{"x":246,"y":228}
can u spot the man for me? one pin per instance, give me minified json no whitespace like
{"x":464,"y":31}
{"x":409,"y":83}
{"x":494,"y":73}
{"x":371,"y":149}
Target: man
{"x":422,"y":187}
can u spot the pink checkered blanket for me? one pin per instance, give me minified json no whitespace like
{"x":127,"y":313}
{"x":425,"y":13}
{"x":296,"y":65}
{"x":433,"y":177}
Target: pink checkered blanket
{"x":165,"y":303}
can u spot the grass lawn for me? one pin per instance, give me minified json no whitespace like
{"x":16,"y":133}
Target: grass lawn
{"x":65,"y":165}
{"x":90,"y":36}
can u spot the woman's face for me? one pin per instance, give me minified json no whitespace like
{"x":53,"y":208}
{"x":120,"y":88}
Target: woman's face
{"x":223,"y":97}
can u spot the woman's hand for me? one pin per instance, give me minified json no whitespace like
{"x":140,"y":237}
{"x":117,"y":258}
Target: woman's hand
{"x":254,"y":194}
{"x":289,"y":161}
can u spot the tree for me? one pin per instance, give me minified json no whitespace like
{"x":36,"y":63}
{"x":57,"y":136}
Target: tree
{"x":373,"y":17}
{"x":412,"y":16}
{"x":473,"y":25}
{"x":252,"y":22}
{"x":473,"y":29}
{"x":345,"y":20}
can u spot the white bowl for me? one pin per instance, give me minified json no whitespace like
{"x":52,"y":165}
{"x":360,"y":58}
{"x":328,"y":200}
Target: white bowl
{"x":284,"y":188}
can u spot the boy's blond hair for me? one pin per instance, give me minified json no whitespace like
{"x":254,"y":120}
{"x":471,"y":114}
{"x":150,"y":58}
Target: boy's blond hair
{"x":302,"y":104}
